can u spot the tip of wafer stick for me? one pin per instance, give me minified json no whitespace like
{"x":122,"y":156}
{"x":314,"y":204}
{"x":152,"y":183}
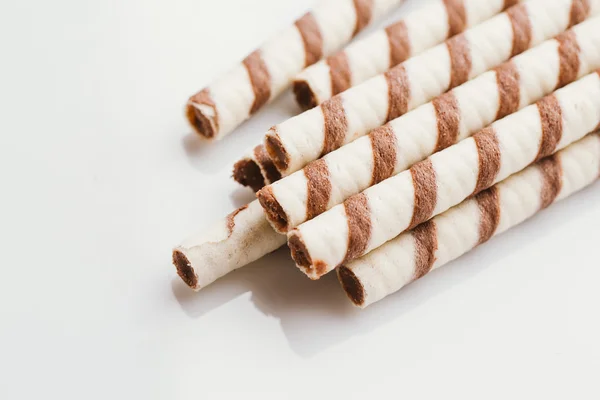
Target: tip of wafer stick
{"x":305,"y":97}
{"x":247,"y":173}
{"x":201,"y":124}
{"x":276,"y":150}
{"x":184,"y":269}
{"x":351,"y":285}
{"x":275,"y":213}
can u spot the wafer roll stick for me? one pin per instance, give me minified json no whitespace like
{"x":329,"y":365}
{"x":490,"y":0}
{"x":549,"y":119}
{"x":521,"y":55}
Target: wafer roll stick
{"x":449,"y":235}
{"x":219,"y":108}
{"x":355,"y":112}
{"x":256,"y":169}
{"x":242,"y":237}
{"x":426,"y":27}
{"x":394,"y":147}
{"x":367,"y":220}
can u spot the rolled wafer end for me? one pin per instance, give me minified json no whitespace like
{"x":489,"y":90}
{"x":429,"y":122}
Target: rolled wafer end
{"x":185,"y":270}
{"x":314,"y":269}
{"x":276,"y":150}
{"x":352,"y":286}
{"x":247,"y":173}
{"x":273,"y":210}
{"x":202,"y":124}
{"x":305,"y":97}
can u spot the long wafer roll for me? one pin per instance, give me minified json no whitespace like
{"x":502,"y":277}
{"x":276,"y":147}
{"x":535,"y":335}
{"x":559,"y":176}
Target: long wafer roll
{"x":449,"y":235}
{"x":219,"y":108}
{"x":242,"y":237}
{"x":367,"y":220}
{"x":384,"y":49}
{"x":394,"y":147}
{"x":355,"y":112}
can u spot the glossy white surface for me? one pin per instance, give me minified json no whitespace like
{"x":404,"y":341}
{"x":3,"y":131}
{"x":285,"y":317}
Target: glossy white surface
{"x":101,"y":177}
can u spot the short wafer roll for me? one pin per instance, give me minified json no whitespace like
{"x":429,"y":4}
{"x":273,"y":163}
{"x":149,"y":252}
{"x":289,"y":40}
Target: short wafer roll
{"x":219,"y":108}
{"x":349,"y":115}
{"x":242,"y":237}
{"x":256,"y":169}
{"x":458,"y":114}
{"x":424,"y":28}
{"x":367,"y":220}
{"x":449,"y":235}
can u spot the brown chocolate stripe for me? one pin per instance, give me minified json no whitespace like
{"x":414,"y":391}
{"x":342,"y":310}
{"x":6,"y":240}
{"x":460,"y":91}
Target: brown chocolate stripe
{"x":509,"y":92}
{"x":339,"y":73}
{"x":400,"y":48}
{"x":488,"y":202}
{"x":460,"y":60}
{"x":318,"y":188}
{"x":568,"y":52}
{"x":358,"y":214}
{"x":336,"y":124}
{"x":311,"y":38}
{"x":509,"y":3}
{"x":457,"y":16}
{"x":364,"y":13}
{"x":488,"y":151}
{"x":580,"y":10}
{"x":552,"y":125}
{"x":398,"y":92}
{"x":383,"y":143}
{"x":260,"y":80}
{"x":426,"y":244}
{"x":551,"y":170}
{"x":262,"y":158}
{"x":231,"y":219}
{"x":447,"y":113}
{"x":521,"y":28}
{"x":425,"y":186}
{"x":197,"y":119}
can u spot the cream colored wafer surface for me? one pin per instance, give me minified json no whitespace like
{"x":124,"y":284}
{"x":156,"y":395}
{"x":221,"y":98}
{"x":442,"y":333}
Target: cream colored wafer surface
{"x":347,"y":116}
{"x":242,"y":237}
{"x":426,"y":27}
{"x":449,"y":235}
{"x":432,"y":127}
{"x":367,"y":220}
{"x":219,"y":108}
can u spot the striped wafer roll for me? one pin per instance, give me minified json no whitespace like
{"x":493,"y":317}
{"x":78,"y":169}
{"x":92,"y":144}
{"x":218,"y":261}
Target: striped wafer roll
{"x":256,"y":169}
{"x":242,"y":237}
{"x":384,"y":49}
{"x":449,"y":235}
{"x":394,"y":147}
{"x":355,"y":112}
{"x":219,"y":108}
{"x":367,"y":220}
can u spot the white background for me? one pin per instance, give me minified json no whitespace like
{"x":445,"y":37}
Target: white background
{"x":101,"y":176}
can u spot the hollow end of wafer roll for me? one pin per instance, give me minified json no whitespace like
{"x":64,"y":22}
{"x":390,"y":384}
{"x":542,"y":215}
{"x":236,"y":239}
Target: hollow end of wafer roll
{"x":201,"y":123}
{"x":273,"y":210}
{"x":351,"y":285}
{"x":185,"y":270}
{"x":305,"y":97}
{"x":276,"y":150}
{"x":247,"y":173}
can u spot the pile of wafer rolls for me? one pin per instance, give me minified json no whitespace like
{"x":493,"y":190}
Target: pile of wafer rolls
{"x":418,"y":142}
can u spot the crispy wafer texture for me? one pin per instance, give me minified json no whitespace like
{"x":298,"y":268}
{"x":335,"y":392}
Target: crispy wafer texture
{"x":450,"y":176}
{"x":453,"y":233}
{"x":353,"y":113}
{"x":219,"y":108}
{"x":240,"y":238}
{"x":458,"y":114}
{"x":256,"y":169}
{"x":421,"y":30}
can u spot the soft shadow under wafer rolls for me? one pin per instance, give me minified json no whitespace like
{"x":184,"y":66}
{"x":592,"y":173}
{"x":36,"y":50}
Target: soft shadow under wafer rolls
{"x":424,"y":28}
{"x":241,"y":238}
{"x":394,"y":147}
{"x":349,"y":115}
{"x":219,"y":108}
{"x":446,"y":237}
{"x":367,"y":220}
